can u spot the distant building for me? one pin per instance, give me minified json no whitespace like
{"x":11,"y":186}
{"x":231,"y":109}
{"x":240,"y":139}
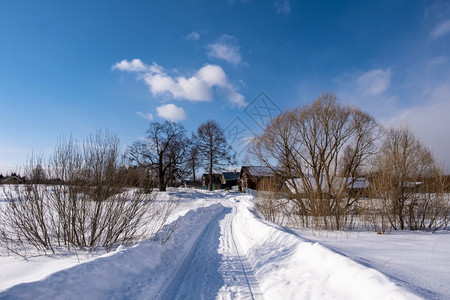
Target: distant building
{"x":12,"y":180}
{"x":217,"y":180}
{"x":192,"y":184}
{"x":353,"y":186}
{"x":230,"y":179}
{"x":251,"y":176}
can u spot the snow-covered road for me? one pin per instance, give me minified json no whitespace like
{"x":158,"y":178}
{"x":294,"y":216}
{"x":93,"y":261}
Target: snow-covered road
{"x":219,"y":251}
{"x":213,"y":267}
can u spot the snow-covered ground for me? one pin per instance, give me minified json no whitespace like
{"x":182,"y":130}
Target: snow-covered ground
{"x":222,"y":250}
{"x":419,"y":261}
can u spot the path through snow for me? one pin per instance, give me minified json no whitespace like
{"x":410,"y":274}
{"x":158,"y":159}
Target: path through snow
{"x":214,"y":268}
{"x":220,"y":251}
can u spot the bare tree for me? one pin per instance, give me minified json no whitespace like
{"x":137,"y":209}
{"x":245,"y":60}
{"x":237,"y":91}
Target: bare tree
{"x":270,"y":201}
{"x":214,"y":149}
{"x":89,"y":205}
{"x":408,"y":185}
{"x":319,"y":149}
{"x":193,"y":157}
{"x":162,"y":151}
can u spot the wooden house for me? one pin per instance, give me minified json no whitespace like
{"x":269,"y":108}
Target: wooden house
{"x":12,"y":180}
{"x":217,"y":180}
{"x":230,"y":179}
{"x":251,"y":176}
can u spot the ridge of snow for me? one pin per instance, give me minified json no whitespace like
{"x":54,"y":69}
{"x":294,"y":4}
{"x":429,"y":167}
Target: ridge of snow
{"x":288,"y":267}
{"x":276,"y":262}
{"x":138,"y":272}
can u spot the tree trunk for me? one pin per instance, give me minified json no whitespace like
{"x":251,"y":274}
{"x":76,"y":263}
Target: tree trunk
{"x":162,"y":182}
{"x":210,"y":171}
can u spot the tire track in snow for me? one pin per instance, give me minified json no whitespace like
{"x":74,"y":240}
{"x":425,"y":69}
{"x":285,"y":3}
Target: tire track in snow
{"x":214,"y":267}
{"x":250,"y":278}
{"x":171,"y":289}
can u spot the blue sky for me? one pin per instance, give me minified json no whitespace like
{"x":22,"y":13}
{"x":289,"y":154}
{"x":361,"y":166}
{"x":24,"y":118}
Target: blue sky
{"x":73,"y":67}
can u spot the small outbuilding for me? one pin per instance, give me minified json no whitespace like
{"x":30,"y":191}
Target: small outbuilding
{"x":230,"y":179}
{"x":217,"y":180}
{"x":251,"y":176}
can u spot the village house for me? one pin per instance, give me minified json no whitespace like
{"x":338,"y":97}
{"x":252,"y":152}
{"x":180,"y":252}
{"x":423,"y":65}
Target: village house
{"x":251,"y":176}
{"x":11,"y":180}
{"x":355,"y":187}
{"x":217,"y":180}
{"x":230,"y":180}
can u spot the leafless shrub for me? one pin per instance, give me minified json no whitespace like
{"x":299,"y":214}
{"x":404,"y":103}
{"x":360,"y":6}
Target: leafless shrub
{"x":408,"y":186}
{"x":271,"y":202}
{"x":89,"y":204}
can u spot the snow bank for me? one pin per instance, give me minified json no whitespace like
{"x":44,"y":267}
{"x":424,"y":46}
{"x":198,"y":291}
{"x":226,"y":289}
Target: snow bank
{"x":288,"y":267}
{"x":284,"y":265}
{"x":138,"y":273}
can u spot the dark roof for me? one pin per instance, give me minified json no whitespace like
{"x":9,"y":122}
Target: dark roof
{"x":230,"y":175}
{"x":214,"y":175}
{"x":12,"y":179}
{"x":257,"y":170}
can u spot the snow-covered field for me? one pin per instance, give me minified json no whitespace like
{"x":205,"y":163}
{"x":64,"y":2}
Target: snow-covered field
{"x":419,"y":261}
{"x":221,"y":249}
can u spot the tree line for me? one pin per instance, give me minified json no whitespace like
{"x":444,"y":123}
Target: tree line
{"x":91,"y":194}
{"x":169,"y":154}
{"x":322,"y":150}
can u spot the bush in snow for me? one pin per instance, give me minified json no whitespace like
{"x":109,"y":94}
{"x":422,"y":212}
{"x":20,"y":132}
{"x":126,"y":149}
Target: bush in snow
{"x":408,"y":187}
{"x":89,"y":205}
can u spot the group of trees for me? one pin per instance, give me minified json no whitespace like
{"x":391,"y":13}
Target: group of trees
{"x":167,"y":154}
{"x":89,"y":195}
{"x":321,"y":150}
{"x":94,"y":197}
{"x":409,"y":184}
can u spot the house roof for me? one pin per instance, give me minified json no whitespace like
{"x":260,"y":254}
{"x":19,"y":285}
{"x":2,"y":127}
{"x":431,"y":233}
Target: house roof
{"x":230,"y":175}
{"x":257,"y":170}
{"x":214,"y":175}
{"x":12,"y":179}
{"x":410,"y":184}
{"x":351,"y":183}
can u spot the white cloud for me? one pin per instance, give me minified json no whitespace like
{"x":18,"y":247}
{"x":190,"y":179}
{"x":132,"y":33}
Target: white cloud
{"x":440,"y":60}
{"x":374,"y":82}
{"x":147,"y":116}
{"x":191,"y":88}
{"x":226,"y":48}
{"x":136,"y":65}
{"x":430,"y":122}
{"x":212,"y":75}
{"x":282,"y":6}
{"x":441,"y":29}
{"x":215,"y":76}
{"x":171,"y":112}
{"x":198,"y":87}
{"x":193,"y":36}
{"x":235,"y":98}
